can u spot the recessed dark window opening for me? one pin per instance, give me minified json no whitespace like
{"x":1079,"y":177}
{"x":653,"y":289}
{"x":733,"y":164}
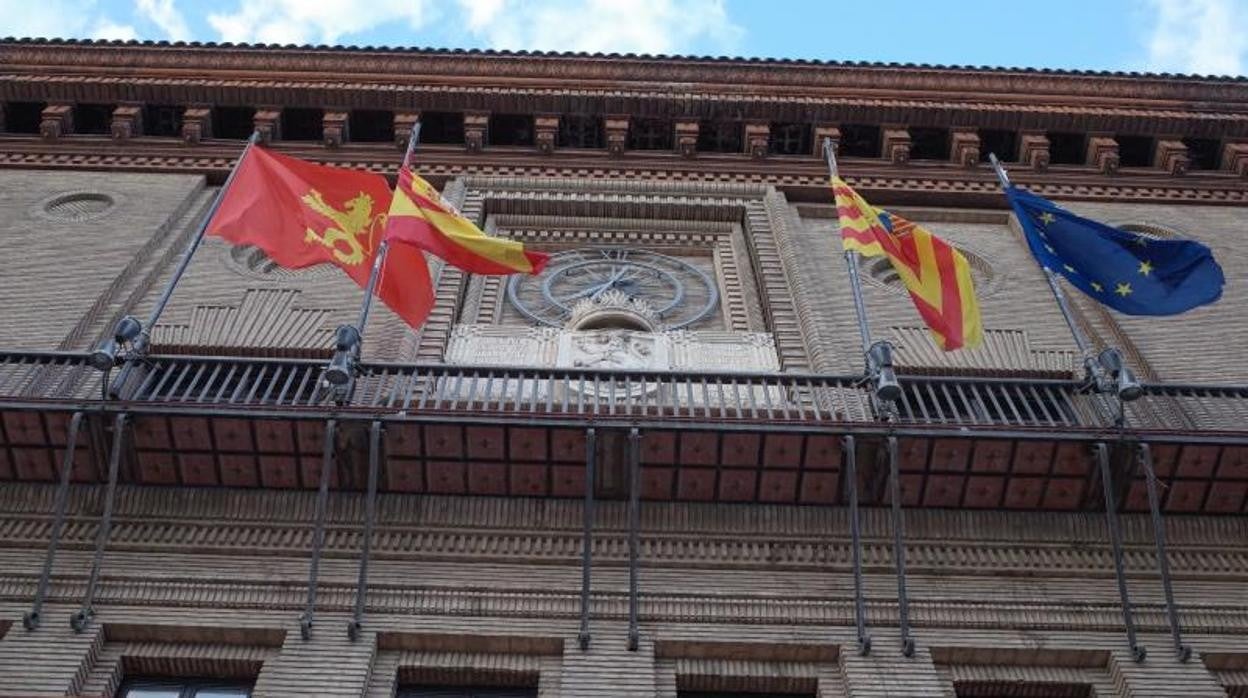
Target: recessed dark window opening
{"x":511,"y":129}
{"x":370,"y":126}
{"x":23,"y":117}
{"x":300,"y":124}
{"x":1016,"y":689}
{"x":1003,"y":143}
{"x":1135,"y":151}
{"x":741,"y":694}
{"x":929,"y":143}
{"x":1067,"y":148}
{"x":163,"y":120}
{"x":465,"y":692}
{"x":1204,"y":153}
{"x":790,"y":139}
{"x":93,"y":119}
{"x":233,"y":122}
{"x":581,"y":131}
{"x":860,"y":141}
{"x":650,"y":134}
{"x":441,"y":127}
{"x":720,"y":136}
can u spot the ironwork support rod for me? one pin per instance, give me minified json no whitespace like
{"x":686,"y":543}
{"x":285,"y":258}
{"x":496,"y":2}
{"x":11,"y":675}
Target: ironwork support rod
{"x":32,"y":618}
{"x":899,"y":549}
{"x":80,"y":619}
{"x":855,"y":534}
{"x":587,"y":535}
{"x":370,"y":520}
{"x":1138,"y":652}
{"x":634,"y":534}
{"x":1182,"y":651}
{"x":318,"y":531}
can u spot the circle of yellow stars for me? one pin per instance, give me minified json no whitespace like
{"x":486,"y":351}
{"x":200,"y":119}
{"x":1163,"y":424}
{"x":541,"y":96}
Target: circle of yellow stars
{"x":1122,"y":288}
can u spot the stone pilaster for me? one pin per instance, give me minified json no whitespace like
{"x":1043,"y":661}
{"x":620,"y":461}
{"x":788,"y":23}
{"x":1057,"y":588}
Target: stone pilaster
{"x":335,"y":128}
{"x":196,"y":124}
{"x":546,"y":130}
{"x":896,"y":144}
{"x":475,"y":125}
{"x":964,"y":147}
{"x":268,"y":121}
{"x":757,"y":139}
{"x":1171,"y":155}
{"x":687,"y":138}
{"x":1102,"y":153}
{"x":1033,"y":150}
{"x":616,"y":126}
{"x":127,"y":122}
{"x":56,"y":120}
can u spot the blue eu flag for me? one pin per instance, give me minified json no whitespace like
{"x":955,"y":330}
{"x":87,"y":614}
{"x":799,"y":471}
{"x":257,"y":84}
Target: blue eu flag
{"x":1132,"y":273}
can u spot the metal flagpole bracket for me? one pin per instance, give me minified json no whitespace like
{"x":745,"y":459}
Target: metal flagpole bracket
{"x":634,"y":534}
{"x":899,"y":547}
{"x":587,"y":535}
{"x":1138,"y":651}
{"x":1145,"y":456}
{"x":32,"y":618}
{"x":356,"y":623}
{"x":318,"y":531}
{"x":84,"y":615}
{"x":850,"y":447}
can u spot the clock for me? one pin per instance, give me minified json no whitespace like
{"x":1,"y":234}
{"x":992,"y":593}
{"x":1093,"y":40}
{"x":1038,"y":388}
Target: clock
{"x":680,"y":293}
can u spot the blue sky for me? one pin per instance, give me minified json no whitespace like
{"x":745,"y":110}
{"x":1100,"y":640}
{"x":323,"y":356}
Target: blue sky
{"x":1193,"y":36}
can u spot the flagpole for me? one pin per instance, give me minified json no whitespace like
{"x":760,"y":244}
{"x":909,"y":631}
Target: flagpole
{"x":851,"y":259}
{"x":139,"y":335}
{"x":348,"y":338}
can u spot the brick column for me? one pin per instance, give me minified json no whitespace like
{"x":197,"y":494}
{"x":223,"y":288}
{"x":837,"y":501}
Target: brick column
{"x":616,"y":126}
{"x":885,"y":672}
{"x":1102,"y":152}
{"x":608,"y":668}
{"x":51,"y":661}
{"x":896,"y":144}
{"x":127,"y":122}
{"x":687,"y":138}
{"x":757,"y":139}
{"x":404,"y":122}
{"x":268,"y":121}
{"x":196,"y":124}
{"x":1171,"y":156}
{"x":475,"y":125}
{"x":546,"y":130}
{"x":1162,"y":675}
{"x":334,"y":128}
{"x":328,"y":665}
{"x":1235,"y":157}
{"x":1033,"y":150}
{"x":964,"y":147}
{"x":56,"y":120}
{"x":823,"y":131}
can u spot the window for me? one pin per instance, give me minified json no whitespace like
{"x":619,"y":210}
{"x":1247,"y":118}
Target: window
{"x":1003,"y":143}
{"x":1204,"y":153}
{"x":581,"y":131}
{"x":739,"y":694}
{"x":790,"y":139}
{"x":442,"y":127}
{"x":650,"y":134}
{"x":303,"y":124}
{"x":371,"y":126}
{"x":860,"y":141}
{"x":236,"y":123}
{"x":511,"y":129}
{"x":162,"y":120}
{"x":1067,"y":148}
{"x":720,"y":136}
{"x":183,"y":688}
{"x":1135,"y":151}
{"x":929,"y":143}
{"x":23,"y":117}
{"x":94,"y":119}
{"x":465,"y":692}
{"x":1021,"y":689}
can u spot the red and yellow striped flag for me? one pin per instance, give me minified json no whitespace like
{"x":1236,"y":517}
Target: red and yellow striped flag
{"x":937,"y":276}
{"x":420,"y":217}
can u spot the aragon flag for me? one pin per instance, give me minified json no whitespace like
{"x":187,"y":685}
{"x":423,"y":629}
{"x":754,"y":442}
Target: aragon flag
{"x":421,"y":218}
{"x":302,"y":214}
{"x":937,"y":276}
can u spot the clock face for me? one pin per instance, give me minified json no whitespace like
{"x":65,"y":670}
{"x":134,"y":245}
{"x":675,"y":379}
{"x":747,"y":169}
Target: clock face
{"x":681,"y":293}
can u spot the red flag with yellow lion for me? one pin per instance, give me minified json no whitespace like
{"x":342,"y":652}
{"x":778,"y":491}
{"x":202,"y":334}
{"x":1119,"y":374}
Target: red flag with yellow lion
{"x":302,"y":214}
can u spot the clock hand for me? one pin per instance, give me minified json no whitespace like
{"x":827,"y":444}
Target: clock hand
{"x":610,"y":283}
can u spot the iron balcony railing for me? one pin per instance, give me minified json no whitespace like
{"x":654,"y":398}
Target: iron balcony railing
{"x":263,"y":383}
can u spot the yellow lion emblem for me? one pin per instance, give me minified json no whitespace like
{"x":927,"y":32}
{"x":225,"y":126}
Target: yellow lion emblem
{"x":352,"y":225}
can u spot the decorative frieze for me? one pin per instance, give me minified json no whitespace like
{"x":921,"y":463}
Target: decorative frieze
{"x":964,"y":147}
{"x":127,"y":122}
{"x":546,"y":132}
{"x":334,"y":128}
{"x":55,"y":121}
{"x":757,"y":138}
{"x":475,"y":125}
{"x":1033,"y":150}
{"x":1103,"y":153}
{"x":268,"y":121}
{"x":196,"y":124}
{"x":616,"y":127}
{"x":897,"y":144}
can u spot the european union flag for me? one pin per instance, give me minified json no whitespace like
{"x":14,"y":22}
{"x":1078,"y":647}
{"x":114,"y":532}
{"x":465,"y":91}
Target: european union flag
{"x":1132,"y":273}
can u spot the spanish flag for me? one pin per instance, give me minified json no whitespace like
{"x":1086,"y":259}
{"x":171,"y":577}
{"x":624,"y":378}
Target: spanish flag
{"x":937,"y":276}
{"x":420,"y":217}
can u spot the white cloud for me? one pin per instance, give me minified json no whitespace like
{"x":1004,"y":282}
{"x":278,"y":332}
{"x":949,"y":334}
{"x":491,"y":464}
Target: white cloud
{"x":624,"y":26}
{"x":165,"y":15}
{"x":1199,"y":36}
{"x":312,"y":21}
{"x":108,"y":29}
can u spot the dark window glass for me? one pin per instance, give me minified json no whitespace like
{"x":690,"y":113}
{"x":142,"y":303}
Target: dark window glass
{"x":1205,"y":153}
{"x":163,"y":120}
{"x":511,"y":129}
{"x":929,"y":143}
{"x":1003,"y":143}
{"x":442,"y":127}
{"x":371,"y":126}
{"x":23,"y":117}
{"x":1016,"y":689}
{"x":1067,"y":148}
{"x":860,"y":141}
{"x":237,"y":123}
{"x":1135,"y":151}
{"x":790,"y":139}
{"x":720,"y":136}
{"x":581,"y":131}
{"x":183,"y":688}
{"x":94,"y":119}
{"x":303,"y":124}
{"x":650,"y":134}
{"x":465,"y":692}
{"x":739,"y":694}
